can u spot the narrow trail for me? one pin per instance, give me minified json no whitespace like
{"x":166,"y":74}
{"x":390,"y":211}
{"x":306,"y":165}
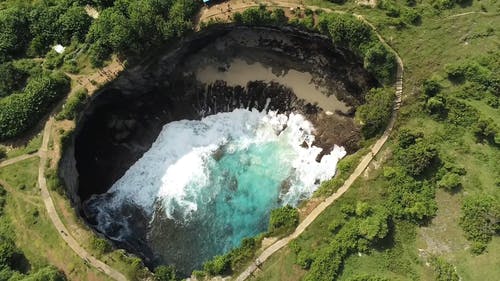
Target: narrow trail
{"x":276,"y":246}
{"x":56,"y":220}
{"x":14,"y":160}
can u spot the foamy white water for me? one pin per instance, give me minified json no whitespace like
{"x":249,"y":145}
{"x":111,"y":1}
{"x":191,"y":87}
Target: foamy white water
{"x":176,"y":173}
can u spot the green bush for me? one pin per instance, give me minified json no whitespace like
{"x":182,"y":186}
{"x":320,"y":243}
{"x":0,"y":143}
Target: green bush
{"x":356,"y":234}
{"x":416,"y":158}
{"x":19,"y":112}
{"x":218,"y":265}
{"x":408,"y":198}
{"x":261,"y":15}
{"x":431,"y":87}
{"x":460,"y":113}
{"x":73,"y":105}
{"x":485,"y":129}
{"x":450,"y":182}
{"x":165,"y":273}
{"x":101,"y":245}
{"x":406,"y":138}
{"x":376,"y":112}
{"x":411,"y":16}
{"x":480,"y":218}
{"x":283,"y":220}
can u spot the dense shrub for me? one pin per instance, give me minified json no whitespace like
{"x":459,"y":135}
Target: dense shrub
{"x":73,"y":105}
{"x":411,"y":16}
{"x":480,"y":217}
{"x":19,"y":112}
{"x":450,"y":182}
{"x":408,"y":198}
{"x":356,"y":234}
{"x":48,"y":273}
{"x":133,"y":27}
{"x":165,"y":273}
{"x":350,"y":32}
{"x":431,"y":87}
{"x":444,"y":270}
{"x":11,"y":79}
{"x":485,"y":130}
{"x":416,"y":158}
{"x":283,"y":220}
{"x":14,"y":32}
{"x":460,"y":113}
{"x":366,"y":277}
{"x":218,"y":265}
{"x":261,"y":15}
{"x":102,"y":246}
{"x":407,"y":138}
{"x":376,"y":112}
{"x":237,"y":257}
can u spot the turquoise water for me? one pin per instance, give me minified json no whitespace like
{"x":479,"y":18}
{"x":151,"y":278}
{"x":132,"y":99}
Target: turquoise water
{"x":207,"y":184}
{"x":248,"y":183}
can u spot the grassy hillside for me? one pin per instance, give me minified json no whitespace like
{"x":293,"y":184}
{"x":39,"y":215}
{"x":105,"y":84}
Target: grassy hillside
{"x":440,"y":42}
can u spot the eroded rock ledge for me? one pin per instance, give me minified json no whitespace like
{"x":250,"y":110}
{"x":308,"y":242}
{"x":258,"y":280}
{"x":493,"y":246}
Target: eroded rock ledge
{"x":124,"y":118}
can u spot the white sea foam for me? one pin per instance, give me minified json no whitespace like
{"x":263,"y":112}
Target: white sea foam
{"x":175,"y":168}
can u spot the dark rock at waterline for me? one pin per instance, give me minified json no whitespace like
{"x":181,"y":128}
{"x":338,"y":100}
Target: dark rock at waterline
{"x":124,"y":118}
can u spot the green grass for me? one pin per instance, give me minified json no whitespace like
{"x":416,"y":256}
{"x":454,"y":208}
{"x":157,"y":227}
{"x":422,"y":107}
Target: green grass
{"x":425,"y":50}
{"x":22,"y":175}
{"x":34,"y":233}
{"x":31,"y":147}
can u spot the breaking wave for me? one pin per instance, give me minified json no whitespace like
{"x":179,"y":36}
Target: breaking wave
{"x":225,"y":173}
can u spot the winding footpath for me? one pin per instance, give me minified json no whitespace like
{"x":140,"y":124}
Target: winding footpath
{"x":207,"y":14}
{"x":56,"y":220}
{"x":276,"y":246}
{"x":14,"y":160}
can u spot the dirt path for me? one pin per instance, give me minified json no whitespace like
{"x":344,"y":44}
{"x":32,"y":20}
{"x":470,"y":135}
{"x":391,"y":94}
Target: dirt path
{"x":216,"y":11}
{"x":17,"y":159}
{"x":94,"y":81}
{"x":465,"y":14}
{"x":56,"y":220}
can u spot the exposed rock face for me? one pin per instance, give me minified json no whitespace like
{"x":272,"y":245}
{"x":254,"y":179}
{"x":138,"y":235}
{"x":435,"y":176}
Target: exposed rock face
{"x":125,"y":117}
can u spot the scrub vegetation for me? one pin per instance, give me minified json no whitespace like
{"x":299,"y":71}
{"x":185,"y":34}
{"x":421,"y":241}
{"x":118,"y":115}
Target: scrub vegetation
{"x":437,"y":178}
{"x":388,"y":226}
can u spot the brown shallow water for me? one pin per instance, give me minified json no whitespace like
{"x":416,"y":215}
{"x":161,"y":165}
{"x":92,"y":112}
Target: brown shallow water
{"x":302,"y":83}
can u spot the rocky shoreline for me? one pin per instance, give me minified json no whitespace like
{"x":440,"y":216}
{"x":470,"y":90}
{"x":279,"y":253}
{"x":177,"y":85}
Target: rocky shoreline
{"x":124,"y":118}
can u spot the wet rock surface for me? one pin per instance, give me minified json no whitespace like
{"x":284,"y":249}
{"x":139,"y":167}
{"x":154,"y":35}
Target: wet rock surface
{"x":125,"y":117}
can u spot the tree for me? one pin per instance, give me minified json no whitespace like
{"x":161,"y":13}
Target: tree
{"x":376,"y":112}
{"x":381,"y":62}
{"x":14,"y":32}
{"x":74,"y":23}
